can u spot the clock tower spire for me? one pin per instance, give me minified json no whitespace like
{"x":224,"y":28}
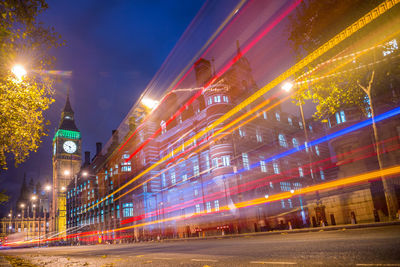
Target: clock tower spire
{"x":67,"y":161}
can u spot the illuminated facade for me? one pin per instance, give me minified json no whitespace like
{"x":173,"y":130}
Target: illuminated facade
{"x":228,"y":170}
{"x":66,"y":163}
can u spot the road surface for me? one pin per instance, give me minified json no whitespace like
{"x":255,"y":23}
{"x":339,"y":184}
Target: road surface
{"x":378,"y":246}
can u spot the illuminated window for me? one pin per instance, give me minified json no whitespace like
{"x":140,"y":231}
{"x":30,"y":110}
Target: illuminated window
{"x":310,"y":127}
{"x":290,"y":121}
{"x":265,"y":115}
{"x":208,"y":204}
{"x":258,"y":136}
{"x":278,"y":116}
{"x":295,"y":143}
{"x":317,"y":150}
{"x":127,"y":209}
{"x":163,"y":127}
{"x":390,"y":47}
{"x":300,"y":125}
{"x":196,"y":169}
{"x":290,"y":203}
{"x":217,"y":99}
{"x":368,"y":106}
{"x":242,"y":132}
{"x":225,"y":98}
{"x":296,"y":186}
{"x":301,"y":172}
{"x":118,"y":215}
{"x":208,"y":163}
{"x":285,"y":186}
{"x":340,"y":117}
{"x":263,"y":166}
{"x":245,"y":159}
{"x":216,"y":205}
{"x":184,"y":177}
{"x":226,"y":160}
{"x":173,"y":177}
{"x":282,"y":140}
{"x":209,"y":101}
{"x":215,"y":162}
{"x":197,"y":208}
{"x":283,"y":203}
{"x":276,"y":168}
{"x":321,"y":172}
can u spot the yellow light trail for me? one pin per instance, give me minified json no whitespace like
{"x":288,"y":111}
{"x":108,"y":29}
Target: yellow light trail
{"x":346,"y":33}
{"x":276,"y":197}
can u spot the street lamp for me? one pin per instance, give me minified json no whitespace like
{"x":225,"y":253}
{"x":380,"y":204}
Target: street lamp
{"x":19,"y":71}
{"x":85,"y":174}
{"x":47,"y":188}
{"x":287,"y":86}
{"x":149,"y":103}
{"x":22,"y":205}
{"x":63,"y":188}
{"x":66,"y":172}
{"x":34,"y":197}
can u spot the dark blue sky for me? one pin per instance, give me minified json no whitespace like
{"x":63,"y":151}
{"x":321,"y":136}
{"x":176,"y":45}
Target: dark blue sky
{"x":113,"y":49}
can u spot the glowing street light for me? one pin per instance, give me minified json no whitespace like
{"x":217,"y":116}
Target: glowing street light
{"x":63,"y":188}
{"x":85,"y":174}
{"x":287,"y":86}
{"x":34,"y":197}
{"x":149,"y":103}
{"x":47,"y":188}
{"x":19,"y":71}
{"x":66,"y":172}
{"x":22,"y":206}
{"x":266,"y":196}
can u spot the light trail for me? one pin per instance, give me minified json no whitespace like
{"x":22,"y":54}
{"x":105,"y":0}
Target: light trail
{"x":284,"y":176}
{"x":352,"y":180}
{"x":192,"y":99}
{"x":222,"y":26}
{"x":349,"y":31}
{"x":253,"y":110}
{"x":219,"y":74}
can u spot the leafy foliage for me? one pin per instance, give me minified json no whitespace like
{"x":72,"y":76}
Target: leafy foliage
{"x":342,"y":83}
{"x":26,"y":41}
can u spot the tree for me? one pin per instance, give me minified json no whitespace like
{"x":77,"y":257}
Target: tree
{"x":24,"y":40}
{"x":3,"y":197}
{"x":360,"y":70}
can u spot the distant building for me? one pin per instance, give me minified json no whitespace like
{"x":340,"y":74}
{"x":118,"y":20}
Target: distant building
{"x":66,"y":163}
{"x":29,"y":219}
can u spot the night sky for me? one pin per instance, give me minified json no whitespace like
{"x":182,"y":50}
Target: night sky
{"x":113,"y":49}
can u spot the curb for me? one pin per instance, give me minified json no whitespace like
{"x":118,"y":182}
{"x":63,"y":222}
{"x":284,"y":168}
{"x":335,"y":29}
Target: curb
{"x":294,"y":231}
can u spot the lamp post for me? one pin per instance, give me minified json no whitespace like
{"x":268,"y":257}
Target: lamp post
{"x":287,"y":87}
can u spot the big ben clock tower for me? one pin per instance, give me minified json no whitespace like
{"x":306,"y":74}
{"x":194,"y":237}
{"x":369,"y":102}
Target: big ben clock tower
{"x":66,"y":163}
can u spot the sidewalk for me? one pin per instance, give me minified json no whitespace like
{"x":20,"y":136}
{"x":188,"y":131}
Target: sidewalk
{"x":300,"y":230}
{"x":4,"y":262}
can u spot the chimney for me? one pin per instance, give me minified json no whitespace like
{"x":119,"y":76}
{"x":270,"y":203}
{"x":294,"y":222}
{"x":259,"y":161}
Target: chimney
{"x":99,"y":146}
{"x":87,"y":158}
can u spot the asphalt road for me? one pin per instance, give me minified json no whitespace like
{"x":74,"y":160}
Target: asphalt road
{"x":378,"y":246}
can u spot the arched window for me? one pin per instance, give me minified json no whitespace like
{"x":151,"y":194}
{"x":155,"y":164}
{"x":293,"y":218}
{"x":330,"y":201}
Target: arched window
{"x":295,"y":143}
{"x":282,"y":140}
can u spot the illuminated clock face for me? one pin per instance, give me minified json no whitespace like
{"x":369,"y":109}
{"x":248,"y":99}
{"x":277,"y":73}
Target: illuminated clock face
{"x":69,"y":147}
